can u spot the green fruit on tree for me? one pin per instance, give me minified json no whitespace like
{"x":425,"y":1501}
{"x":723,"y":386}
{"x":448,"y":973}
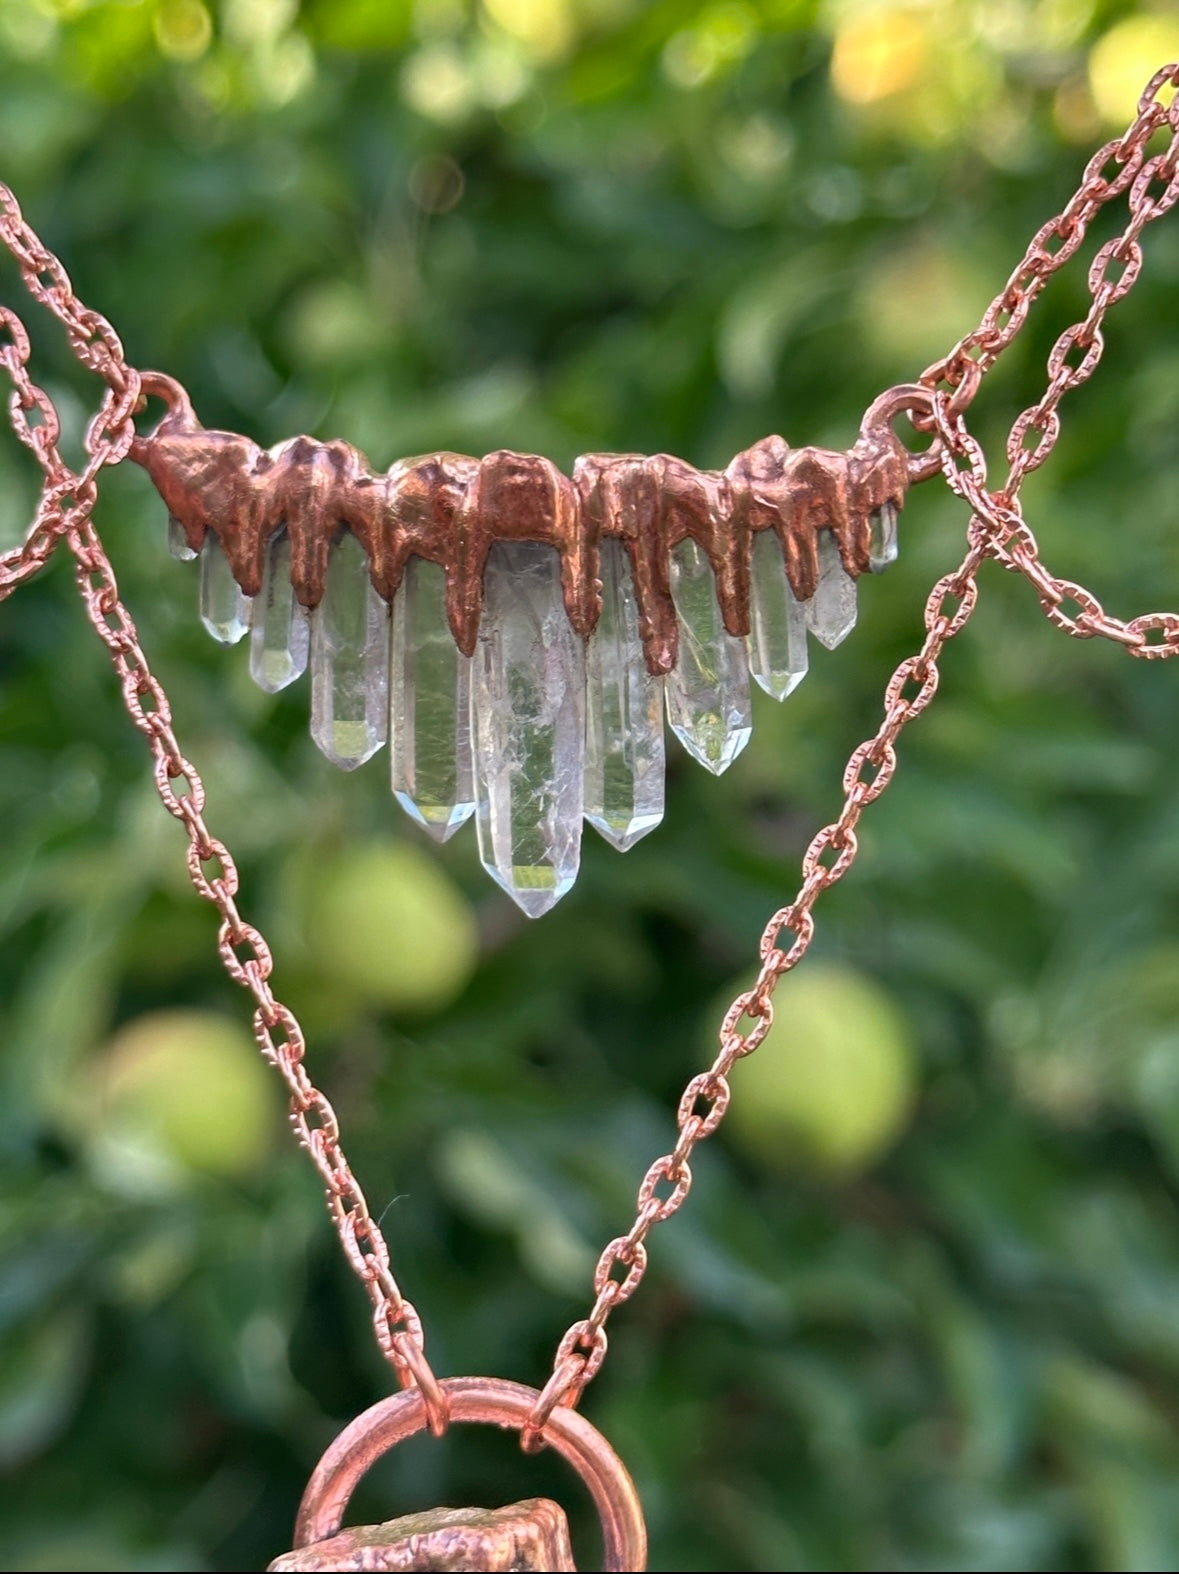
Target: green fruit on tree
{"x":180,"y":1091}
{"x":389,"y":926}
{"x":832,"y":1085}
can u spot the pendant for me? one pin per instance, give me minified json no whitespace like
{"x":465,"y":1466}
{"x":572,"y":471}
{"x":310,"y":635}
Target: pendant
{"x":517,"y":635}
{"x":529,"y":1535}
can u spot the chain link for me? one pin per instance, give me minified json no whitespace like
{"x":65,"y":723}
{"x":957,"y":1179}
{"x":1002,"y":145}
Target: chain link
{"x":246,"y":958}
{"x":64,"y":511}
{"x":66,"y":498}
{"x":997,"y":530}
{"x":1151,"y":187}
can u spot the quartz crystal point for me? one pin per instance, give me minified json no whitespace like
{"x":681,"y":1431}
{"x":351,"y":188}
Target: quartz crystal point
{"x":349,"y":660}
{"x":708,"y":702}
{"x":624,"y":761}
{"x":831,"y":611}
{"x":279,"y":627}
{"x":777,"y":621}
{"x":178,"y":541}
{"x":528,"y":719}
{"x":882,"y":539}
{"x":225,"y":612}
{"x":429,"y":706}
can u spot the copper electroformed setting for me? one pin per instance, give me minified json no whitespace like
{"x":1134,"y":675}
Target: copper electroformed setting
{"x":450,"y":509}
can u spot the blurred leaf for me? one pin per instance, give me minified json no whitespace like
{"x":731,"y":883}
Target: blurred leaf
{"x":42,"y":1369}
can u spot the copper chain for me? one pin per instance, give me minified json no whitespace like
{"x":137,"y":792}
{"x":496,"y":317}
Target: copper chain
{"x":998,"y":526}
{"x":997,"y":530}
{"x":65,"y":508}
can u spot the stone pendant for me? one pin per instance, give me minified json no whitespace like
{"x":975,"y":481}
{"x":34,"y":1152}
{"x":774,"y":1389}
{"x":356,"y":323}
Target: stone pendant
{"x":526,"y":1536}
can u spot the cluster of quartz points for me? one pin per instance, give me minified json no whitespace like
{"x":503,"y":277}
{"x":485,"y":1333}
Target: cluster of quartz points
{"x":540,"y":729}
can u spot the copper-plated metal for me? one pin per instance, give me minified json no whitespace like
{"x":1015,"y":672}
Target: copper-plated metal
{"x":533,"y":1535}
{"x":498,"y":1403}
{"x":450,"y":509}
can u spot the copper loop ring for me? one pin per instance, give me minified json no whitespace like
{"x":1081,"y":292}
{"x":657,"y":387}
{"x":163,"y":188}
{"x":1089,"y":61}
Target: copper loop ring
{"x":495,"y":1402}
{"x":419,"y":1369}
{"x":158,"y":385}
{"x":905,"y":398}
{"x":963,"y":391}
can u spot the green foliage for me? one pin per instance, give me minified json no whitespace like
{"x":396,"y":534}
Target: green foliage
{"x":563,"y":227}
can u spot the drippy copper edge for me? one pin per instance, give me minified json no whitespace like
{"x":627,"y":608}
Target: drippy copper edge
{"x":449,"y":509}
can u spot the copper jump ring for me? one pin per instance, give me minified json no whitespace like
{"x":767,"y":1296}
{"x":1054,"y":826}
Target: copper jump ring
{"x":495,"y":1402}
{"x":905,"y":399}
{"x":432,"y":1392}
{"x":560,"y":1386}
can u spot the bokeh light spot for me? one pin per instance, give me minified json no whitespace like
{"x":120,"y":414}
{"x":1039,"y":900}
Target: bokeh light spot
{"x":26,"y":32}
{"x":721,"y":38}
{"x":436,"y":82}
{"x":256,"y":21}
{"x":284,"y":69}
{"x":546,"y":28}
{"x":183,"y":29}
{"x":1122,"y":62}
{"x":878,"y":54}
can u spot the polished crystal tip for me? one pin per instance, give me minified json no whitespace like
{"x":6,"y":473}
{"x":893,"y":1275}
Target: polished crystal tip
{"x":429,"y":707}
{"x":831,"y":611}
{"x":528,"y":713}
{"x":280,"y":628}
{"x":349,"y":660}
{"x":708,"y":702}
{"x":225,"y":612}
{"x":178,"y":541}
{"x":777,"y":621}
{"x":624,"y":758}
{"x":882,"y":538}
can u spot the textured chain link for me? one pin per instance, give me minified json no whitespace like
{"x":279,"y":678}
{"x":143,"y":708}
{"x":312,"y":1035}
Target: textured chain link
{"x":784,"y":943}
{"x":64,"y":510}
{"x":997,"y":530}
{"x":66,"y":498}
{"x":1151,"y":186}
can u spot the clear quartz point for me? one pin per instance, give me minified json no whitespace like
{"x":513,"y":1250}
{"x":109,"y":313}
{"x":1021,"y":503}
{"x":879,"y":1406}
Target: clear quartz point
{"x":528,"y":720}
{"x":225,"y":611}
{"x":831,"y":611}
{"x":777,"y":621}
{"x":279,"y":626}
{"x":349,"y":660}
{"x":882,"y":538}
{"x":624,"y":758}
{"x":178,"y":542}
{"x":708,"y":702}
{"x":429,"y":706}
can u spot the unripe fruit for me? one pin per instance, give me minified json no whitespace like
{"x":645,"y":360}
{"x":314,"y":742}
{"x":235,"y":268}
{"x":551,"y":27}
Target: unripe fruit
{"x":832,"y":1085}
{"x":181,"y":1091}
{"x":387,"y":924}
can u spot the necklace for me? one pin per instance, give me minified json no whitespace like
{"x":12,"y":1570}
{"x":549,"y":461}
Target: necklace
{"x":532,"y":1534}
